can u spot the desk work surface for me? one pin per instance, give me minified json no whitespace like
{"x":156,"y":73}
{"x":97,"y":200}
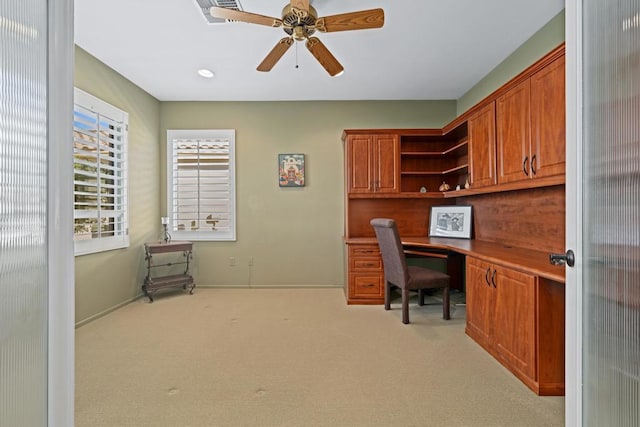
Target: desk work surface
{"x":527,"y":260}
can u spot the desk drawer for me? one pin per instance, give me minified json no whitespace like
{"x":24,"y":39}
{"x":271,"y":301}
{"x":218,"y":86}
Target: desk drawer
{"x":366,"y":286}
{"x":366,"y":264}
{"x":364,"y":251}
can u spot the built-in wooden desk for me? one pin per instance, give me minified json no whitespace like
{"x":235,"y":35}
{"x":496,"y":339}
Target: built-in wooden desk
{"x":514,"y":301}
{"x":525,"y":260}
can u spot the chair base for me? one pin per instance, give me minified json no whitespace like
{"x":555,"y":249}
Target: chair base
{"x":446,"y":315}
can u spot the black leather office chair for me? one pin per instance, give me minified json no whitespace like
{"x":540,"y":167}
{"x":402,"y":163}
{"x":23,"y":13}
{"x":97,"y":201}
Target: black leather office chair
{"x":397,"y":273}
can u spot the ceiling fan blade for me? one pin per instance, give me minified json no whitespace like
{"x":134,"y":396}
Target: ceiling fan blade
{"x":362,"y":20}
{"x":252,"y":18}
{"x":324,"y":57}
{"x":275,"y":54}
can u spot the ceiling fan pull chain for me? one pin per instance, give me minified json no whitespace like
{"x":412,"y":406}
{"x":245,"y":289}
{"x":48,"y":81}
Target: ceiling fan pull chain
{"x":297,"y":56}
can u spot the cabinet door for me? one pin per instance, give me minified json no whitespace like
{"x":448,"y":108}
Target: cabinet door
{"x":359,"y":166}
{"x":513,"y":133}
{"x":482,"y":146}
{"x":514,"y":328}
{"x":479,"y":301}
{"x":386,"y":161}
{"x":548,"y":120}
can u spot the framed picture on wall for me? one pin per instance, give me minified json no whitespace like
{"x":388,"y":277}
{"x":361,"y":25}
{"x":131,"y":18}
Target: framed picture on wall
{"x":450,"y":221}
{"x":291,"y":167}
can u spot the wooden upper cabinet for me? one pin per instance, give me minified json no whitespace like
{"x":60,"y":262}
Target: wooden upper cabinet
{"x":386,"y":163}
{"x":548,"y":120}
{"x":359,"y":163}
{"x":530,"y":121}
{"x":482,"y":146}
{"x":514,"y":134}
{"x":373,"y":164}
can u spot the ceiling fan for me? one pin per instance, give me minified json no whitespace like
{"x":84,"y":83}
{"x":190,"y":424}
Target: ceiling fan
{"x":300,"y":21}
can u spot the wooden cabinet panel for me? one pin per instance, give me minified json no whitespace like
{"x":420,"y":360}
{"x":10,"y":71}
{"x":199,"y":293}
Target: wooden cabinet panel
{"x":548,"y":120}
{"x":514,"y":134}
{"x":359,"y":164}
{"x":504,"y":317}
{"x":386,"y":158}
{"x":531,"y":126}
{"x":482,"y":146}
{"x":365,"y":277}
{"x":514,"y":323}
{"x":479,"y":301}
{"x":373,"y":164}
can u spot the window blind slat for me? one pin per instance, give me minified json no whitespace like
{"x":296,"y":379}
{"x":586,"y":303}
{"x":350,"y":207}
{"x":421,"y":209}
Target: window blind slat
{"x":100,"y":196}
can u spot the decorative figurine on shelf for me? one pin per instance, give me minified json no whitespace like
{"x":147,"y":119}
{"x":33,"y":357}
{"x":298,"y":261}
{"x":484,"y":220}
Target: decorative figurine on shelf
{"x":212,"y":221}
{"x":467,"y":184}
{"x":444,"y":187}
{"x":423,"y":189}
{"x":458,"y":187}
{"x":166,"y":237}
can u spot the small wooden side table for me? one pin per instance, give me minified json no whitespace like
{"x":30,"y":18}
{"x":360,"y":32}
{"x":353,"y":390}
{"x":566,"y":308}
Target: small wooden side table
{"x":152,"y":284}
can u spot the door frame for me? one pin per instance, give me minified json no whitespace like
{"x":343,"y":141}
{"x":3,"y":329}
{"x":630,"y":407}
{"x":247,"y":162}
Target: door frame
{"x":60,"y":255}
{"x":573,"y":220}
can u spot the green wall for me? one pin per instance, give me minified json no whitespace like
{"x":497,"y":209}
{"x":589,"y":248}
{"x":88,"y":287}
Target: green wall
{"x":108,"y":279}
{"x":542,"y":42}
{"x":294,"y":235}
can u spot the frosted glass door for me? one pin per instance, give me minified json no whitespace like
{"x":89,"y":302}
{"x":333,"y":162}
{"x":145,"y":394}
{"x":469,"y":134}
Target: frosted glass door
{"x":611,"y":213}
{"x":23,"y":213}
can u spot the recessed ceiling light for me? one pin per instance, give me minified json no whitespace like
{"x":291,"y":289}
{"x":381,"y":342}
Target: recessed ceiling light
{"x":206,"y":73}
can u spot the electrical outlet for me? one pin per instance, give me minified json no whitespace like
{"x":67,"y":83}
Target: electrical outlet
{"x":232,"y":261}
{"x":250,"y":261}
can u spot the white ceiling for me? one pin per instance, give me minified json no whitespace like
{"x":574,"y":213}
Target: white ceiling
{"x":427,"y":49}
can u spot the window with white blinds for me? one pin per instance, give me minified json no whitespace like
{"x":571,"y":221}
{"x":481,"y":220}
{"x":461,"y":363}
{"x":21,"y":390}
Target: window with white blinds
{"x":201,"y":197}
{"x":100,"y":175}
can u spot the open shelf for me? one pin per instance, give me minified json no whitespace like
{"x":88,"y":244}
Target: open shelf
{"x":426,"y":161}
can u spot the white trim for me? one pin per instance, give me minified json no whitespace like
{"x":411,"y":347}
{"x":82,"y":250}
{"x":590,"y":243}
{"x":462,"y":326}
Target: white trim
{"x":60,"y":261}
{"x":230,"y":135}
{"x":119,"y":240}
{"x":573,"y":221}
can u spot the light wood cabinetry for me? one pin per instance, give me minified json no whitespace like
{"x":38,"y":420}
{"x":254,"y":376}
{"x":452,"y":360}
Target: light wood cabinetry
{"x":366,"y":278}
{"x":530,"y":126}
{"x":434,"y":158}
{"x":513,"y":130}
{"x":482,"y":146}
{"x":548,"y":118}
{"x":373,"y":164}
{"x":505,"y":311}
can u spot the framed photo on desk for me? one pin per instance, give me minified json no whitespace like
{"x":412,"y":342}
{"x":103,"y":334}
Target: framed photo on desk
{"x":450,"y":221}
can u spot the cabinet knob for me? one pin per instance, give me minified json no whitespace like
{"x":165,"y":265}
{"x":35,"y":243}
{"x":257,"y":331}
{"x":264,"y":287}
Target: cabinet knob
{"x":493,"y":278}
{"x":486,"y":276}
{"x":525,"y":165}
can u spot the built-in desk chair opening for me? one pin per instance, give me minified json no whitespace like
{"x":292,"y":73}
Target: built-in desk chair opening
{"x":408,"y":278}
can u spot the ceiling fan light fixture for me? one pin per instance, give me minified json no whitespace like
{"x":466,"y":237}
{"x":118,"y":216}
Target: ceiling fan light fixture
{"x":299,"y":33}
{"x":207,"y":74}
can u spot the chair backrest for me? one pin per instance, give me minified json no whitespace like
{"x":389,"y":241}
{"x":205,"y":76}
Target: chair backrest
{"x":393,"y":259}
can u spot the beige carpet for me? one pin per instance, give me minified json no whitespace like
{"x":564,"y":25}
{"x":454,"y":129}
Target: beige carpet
{"x":292,"y":357}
